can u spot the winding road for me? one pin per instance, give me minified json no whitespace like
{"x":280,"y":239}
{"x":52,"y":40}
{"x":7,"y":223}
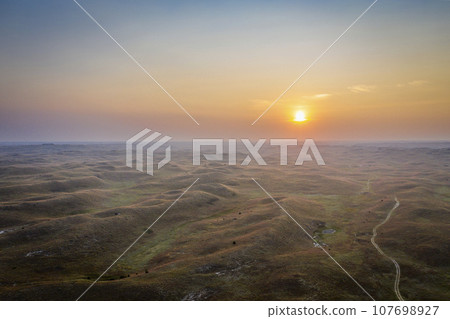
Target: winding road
{"x":397,"y":266}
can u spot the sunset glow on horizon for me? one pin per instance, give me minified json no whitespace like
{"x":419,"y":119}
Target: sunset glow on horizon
{"x":300,"y":116}
{"x":64,"y":79}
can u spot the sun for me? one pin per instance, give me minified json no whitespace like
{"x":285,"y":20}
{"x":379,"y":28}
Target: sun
{"x":299,"y":116}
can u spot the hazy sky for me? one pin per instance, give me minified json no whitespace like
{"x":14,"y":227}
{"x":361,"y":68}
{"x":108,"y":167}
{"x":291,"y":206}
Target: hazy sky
{"x":63,"y":79}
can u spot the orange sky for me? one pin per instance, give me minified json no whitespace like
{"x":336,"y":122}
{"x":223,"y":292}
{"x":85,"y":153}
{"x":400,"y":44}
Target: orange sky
{"x":387,"y":78}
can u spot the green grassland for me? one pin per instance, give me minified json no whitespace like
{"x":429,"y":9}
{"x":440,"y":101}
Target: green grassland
{"x":68,"y":211}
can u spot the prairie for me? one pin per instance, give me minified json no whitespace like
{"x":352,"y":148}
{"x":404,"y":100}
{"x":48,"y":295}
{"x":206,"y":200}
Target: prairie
{"x":68,"y":211}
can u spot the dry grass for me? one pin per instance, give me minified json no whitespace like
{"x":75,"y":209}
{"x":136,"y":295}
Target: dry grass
{"x":68,"y":211}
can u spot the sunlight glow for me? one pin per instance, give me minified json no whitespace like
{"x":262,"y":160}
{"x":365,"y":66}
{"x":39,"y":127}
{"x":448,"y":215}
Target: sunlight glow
{"x":299,"y":116}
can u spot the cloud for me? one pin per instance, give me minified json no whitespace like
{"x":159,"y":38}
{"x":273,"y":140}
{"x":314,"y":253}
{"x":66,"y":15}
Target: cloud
{"x":259,"y":103}
{"x":415,"y":83}
{"x":362,"y":88}
{"x":317,"y":96}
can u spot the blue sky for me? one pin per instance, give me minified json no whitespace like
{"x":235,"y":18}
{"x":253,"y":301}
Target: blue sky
{"x":62,"y":78}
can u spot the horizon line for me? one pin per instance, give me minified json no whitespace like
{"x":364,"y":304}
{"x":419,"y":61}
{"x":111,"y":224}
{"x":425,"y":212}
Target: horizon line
{"x":75,"y":142}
